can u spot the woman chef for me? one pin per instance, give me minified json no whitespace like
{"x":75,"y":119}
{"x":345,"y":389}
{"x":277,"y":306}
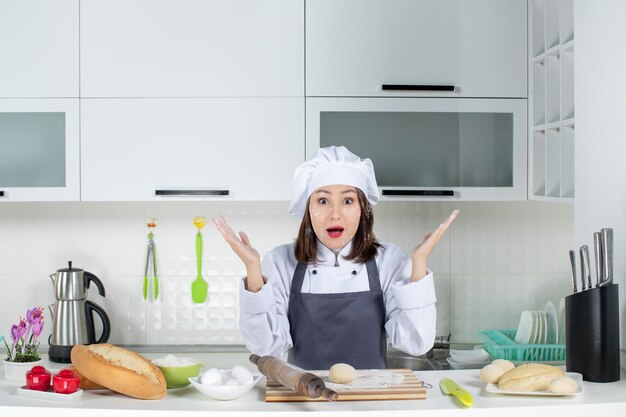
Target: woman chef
{"x":336,"y":294}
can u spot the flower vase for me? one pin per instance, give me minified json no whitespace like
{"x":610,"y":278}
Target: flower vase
{"x":15,"y":372}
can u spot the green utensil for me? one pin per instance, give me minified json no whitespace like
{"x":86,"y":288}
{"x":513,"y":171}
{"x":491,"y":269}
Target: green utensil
{"x":199,"y":286}
{"x":449,"y":387}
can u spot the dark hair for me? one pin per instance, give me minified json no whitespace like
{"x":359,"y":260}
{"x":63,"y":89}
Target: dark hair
{"x":364,"y":244}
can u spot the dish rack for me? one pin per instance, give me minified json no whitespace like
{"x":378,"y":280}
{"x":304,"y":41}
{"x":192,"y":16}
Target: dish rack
{"x":500,"y":344}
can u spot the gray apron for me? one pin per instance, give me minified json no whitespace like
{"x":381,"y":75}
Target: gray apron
{"x":344,"y":327}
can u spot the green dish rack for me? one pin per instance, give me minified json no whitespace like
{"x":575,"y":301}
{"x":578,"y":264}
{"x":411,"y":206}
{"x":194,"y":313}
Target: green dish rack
{"x":500,"y":344}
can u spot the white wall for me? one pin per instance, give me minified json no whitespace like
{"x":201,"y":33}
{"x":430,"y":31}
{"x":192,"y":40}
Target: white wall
{"x":600,"y":134}
{"x":497,"y":260}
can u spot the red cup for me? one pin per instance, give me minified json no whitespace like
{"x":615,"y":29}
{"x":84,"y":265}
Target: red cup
{"x":65,"y":382}
{"x":38,"y":378}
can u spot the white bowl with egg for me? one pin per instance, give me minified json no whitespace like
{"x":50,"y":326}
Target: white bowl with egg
{"x":225,"y":384}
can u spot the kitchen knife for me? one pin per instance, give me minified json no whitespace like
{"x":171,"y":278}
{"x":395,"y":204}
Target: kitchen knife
{"x":584,"y":254}
{"x":572,"y":261}
{"x":597,"y":256}
{"x":449,"y":387}
{"x":583,"y":270}
{"x":607,"y":256}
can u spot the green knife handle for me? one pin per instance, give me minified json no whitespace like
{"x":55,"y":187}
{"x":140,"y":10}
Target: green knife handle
{"x":199,"y":252}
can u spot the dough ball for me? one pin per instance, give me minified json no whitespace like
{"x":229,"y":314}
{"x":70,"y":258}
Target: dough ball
{"x":342,"y":373}
{"x":492,"y":373}
{"x":241,"y":374}
{"x":503,"y":364}
{"x":563,"y":385}
{"x":211,"y":376}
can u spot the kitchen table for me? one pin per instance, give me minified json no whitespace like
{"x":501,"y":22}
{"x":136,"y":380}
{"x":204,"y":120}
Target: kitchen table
{"x":596,"y":399}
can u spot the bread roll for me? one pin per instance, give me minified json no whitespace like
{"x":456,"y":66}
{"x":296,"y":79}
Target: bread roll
{"x":120,"y":370}
{"x":492,"y":372}
{"x":563,"y":385}
{"x":529,"y":377}
{"x":503,"y":364}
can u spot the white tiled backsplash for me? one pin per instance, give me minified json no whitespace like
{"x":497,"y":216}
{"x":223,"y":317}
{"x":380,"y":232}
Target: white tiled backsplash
{"x":497,"y":260}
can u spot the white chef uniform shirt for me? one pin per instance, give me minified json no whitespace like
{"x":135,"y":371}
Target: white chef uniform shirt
{"x":410,"y":306}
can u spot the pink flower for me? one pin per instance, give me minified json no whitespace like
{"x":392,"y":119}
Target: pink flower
{"x":17,"y":331}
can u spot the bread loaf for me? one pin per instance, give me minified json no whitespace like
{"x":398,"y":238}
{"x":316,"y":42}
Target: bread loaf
{"x":120,"y":370}
{"x":84,"y":382}
{"x":530,"y":377}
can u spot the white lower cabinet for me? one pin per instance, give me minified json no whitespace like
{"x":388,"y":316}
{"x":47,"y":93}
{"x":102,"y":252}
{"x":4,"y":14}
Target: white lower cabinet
{"x":39,"y":150}
{"x":183,"y":149}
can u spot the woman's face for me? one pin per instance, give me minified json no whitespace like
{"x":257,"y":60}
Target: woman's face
{"x":335,"y":214}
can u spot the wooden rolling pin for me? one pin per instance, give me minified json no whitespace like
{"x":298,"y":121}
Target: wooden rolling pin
{"x":293,"y":378}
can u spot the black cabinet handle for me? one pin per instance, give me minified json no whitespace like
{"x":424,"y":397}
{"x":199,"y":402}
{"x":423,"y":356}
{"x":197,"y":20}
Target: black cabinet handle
{"x":417,"y":87}
{"x":422,"y":193}
{"x":195,"y":193}
{"x":1,"y":193}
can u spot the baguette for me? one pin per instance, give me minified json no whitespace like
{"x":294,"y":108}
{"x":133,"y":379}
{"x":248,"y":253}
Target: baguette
{"x":120,"y":370}
{"x":530,"y":377}
{"x":85,"y":383}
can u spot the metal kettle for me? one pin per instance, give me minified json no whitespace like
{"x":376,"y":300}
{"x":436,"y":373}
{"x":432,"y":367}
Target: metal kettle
{"x":73,"y":315}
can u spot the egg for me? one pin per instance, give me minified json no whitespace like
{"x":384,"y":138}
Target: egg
{"x":241,"y":374}
{"x":231,"y":382}
{"x":211,"y":376}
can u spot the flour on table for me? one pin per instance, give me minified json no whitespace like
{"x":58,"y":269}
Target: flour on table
{"x":368,"y":380}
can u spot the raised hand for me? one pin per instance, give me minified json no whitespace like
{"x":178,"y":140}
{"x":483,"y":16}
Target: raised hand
{"x":420,"y":254}
{"x":240,"y":244}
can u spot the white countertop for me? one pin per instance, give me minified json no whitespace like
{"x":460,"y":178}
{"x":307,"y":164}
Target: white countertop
{"x":607,"y":399}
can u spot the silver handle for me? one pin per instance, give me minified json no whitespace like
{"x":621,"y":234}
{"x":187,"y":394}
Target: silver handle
{"x":597,"y":257}
{"x":572,"y":261}
{"x":607,"y":255}
{"x":584,"y":269}
{"x":193,"y":193}
{"x":587,"y":273}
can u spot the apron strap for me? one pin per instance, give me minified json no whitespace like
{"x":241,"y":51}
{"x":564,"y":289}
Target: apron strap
{"x":298,"y":278}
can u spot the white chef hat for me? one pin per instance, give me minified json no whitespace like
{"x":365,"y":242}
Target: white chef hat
{"x":334,"y":165}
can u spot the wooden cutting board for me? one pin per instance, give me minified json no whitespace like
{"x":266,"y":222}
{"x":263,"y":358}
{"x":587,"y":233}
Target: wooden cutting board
{"x":410,"y":388}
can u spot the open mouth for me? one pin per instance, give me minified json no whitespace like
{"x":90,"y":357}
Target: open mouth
{"x":335,"y":231}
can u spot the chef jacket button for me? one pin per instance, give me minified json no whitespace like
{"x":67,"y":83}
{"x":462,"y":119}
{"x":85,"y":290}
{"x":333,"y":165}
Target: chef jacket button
{"x":314,"y":272}
{"x":353,"y":272}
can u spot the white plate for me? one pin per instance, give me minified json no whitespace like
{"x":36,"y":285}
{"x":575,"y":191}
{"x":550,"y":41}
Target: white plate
{"x":48,"y":395}
{"x":467,"y":365}
{"x":574,"y":375}
{"x":553,"y":323}
{"x":469,"y":355}
{"x":525,"y":328}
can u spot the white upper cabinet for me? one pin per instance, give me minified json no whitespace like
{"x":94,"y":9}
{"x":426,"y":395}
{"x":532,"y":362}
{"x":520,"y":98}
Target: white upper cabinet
{"x":39,"y":149}
{"x":354,"y":47}
{"x":38,"y":48}
{"x":192,"y":48}
{"x":182,"y":149}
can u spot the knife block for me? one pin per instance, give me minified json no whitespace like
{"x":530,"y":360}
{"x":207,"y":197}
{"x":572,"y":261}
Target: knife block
{"x":592,"y":333}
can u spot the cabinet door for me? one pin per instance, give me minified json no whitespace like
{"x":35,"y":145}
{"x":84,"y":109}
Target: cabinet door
{"x":429,"y":148}
{"x":39,"y":48}
{"x":192,"y":48}
{"x":353,"y":47}
{"x":133,"y":147}
{"x":39,"y":150}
